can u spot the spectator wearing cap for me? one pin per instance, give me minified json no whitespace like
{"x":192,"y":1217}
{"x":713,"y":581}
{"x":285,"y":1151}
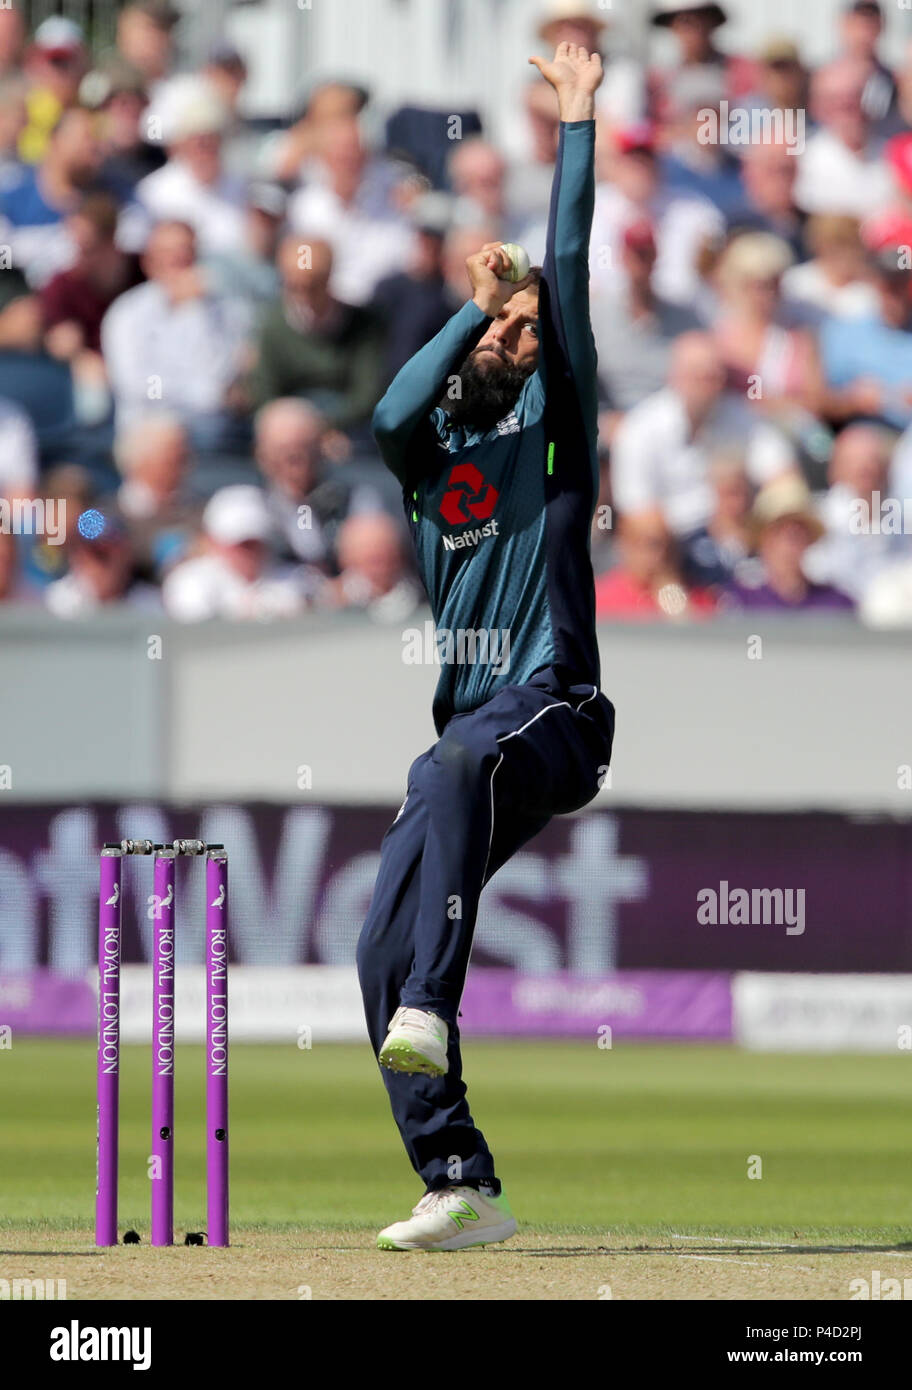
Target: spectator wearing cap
{"x":373,"y":574}
{"x":313,"y":345}
{"x":774,"y":364}
{"x":867,"y":362}
{"x":861,"y":26}
{"x":145,"y":40}
{"x":118,"y":93}
{"x":785,"y":526}
{"x":835,"y":280}
{"x":693,"y":25}
{"x":634,"y":331}
{"x":193,"y":185}
{"x":633,"y":192}
{"x":647,"y":583}
{"x":854,"y":546}
{"x":348,"y":202}
{"x":55,"y":64}
{"x":234,"y":575}
{"x":782,"y":79}
{"x":101,"y":571}
{"x":768,"y":175}
{"x":841,"y":168}
{"x":173,"y":341}
{"x":34,"y":208}
{"x":413,"y":304}
{"x":663,"y":447}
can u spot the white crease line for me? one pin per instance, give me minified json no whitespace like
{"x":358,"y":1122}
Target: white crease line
{"x":730,"y":1240}
{"x":726,"y":1260}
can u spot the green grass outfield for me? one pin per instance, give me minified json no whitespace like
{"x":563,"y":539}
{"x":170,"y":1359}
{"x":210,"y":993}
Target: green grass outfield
{"x":639,"y":1141}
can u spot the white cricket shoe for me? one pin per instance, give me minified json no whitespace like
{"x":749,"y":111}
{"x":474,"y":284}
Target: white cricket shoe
{"x":451,"y":1219}
{"x":416,"y":1042}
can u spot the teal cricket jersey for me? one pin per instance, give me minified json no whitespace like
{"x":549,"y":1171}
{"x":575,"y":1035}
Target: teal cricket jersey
{"x":501,"y":519}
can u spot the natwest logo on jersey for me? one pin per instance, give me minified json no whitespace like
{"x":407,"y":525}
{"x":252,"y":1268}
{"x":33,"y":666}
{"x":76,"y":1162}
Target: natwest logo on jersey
{"x":468,"y":497}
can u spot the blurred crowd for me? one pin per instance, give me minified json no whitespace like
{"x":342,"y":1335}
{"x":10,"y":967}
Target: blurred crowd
{"x":198,"y":313}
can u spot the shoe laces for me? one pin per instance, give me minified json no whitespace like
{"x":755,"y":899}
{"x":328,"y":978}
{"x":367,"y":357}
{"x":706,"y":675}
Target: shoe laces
{"x":420,"y":1018}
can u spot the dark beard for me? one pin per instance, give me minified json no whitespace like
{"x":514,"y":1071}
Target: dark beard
{"x":488,"y":393}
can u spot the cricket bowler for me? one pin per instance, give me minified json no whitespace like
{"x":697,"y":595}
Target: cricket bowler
{"x":500,"y":485}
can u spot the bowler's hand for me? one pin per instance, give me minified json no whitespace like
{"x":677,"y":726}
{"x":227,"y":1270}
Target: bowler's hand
{"x":575,"y":74}
{"x":485,"y":269}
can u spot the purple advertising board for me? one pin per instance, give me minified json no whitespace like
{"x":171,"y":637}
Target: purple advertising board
{"x":593,"y":894}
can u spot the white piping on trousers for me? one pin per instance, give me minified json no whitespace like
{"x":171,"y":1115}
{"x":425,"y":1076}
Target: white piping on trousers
{"x":564,"y":704}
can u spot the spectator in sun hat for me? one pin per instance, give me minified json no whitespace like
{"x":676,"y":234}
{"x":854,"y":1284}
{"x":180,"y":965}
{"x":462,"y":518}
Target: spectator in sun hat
{"x":193,"y":186}
{"x":234,"y":575}
{"x":842,"y":168}
{"x":861,"y":26}
{"x":682,"y":224}
{"x":782,"y":79}
{"x":622,"y":95}
{"x":785,"y":526}
{"x":55,"y":64}
{"x":693,"y":25}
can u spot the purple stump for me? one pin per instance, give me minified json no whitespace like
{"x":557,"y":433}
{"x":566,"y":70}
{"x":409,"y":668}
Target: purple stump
{"x":109,"y":950}
{"x":217,"y":1045}
{"x":163,"y":1051}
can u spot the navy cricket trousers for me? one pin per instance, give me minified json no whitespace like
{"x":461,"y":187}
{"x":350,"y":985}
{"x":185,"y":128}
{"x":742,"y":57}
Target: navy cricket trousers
{"x":495,"y":777}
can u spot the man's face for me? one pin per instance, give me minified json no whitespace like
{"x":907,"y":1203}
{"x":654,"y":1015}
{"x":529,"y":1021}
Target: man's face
{"x":289,"y":454}
{"x":493,"y":375}
{"x":512,"y":338}
{"x":76,"y":146}
{"x":171,"y":249}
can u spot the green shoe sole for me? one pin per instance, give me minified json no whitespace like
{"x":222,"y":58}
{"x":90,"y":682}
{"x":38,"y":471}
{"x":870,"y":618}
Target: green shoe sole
{"x":402,"y":1057}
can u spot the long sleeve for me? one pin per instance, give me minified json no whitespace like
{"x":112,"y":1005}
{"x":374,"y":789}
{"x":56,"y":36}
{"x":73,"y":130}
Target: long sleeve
{"x":568,"y":348}
{"x":401,"y":419}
